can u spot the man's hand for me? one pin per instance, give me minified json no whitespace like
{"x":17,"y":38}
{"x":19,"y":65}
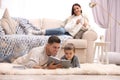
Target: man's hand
{"x":37,"y":67}
{"x":54,"y":66}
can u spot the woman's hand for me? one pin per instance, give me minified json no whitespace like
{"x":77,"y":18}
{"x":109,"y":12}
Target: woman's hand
{"x":85,"y":24}
{"x":78,"y":21}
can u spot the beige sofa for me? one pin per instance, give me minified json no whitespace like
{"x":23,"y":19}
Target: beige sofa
{"x":84,"y":46}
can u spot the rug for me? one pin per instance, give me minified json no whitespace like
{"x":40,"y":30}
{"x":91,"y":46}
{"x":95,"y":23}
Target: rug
{"x":86,"y":69}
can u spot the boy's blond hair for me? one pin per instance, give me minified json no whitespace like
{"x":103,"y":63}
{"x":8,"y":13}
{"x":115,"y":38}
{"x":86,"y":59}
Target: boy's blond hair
{"x":69,"y":46}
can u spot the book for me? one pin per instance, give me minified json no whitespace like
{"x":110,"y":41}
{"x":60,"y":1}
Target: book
{"x":63,"y":62}
{"x":19,"y":67}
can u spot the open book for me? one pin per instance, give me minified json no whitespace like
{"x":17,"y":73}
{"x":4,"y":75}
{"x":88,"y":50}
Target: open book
{"x":63,"y":62}
{"x":19,"y":67}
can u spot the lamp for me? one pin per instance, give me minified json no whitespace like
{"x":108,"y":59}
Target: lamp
{"x":92,"y":4}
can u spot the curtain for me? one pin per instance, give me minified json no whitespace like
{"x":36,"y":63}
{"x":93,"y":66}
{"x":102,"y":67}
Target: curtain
{"x":107,"y":14}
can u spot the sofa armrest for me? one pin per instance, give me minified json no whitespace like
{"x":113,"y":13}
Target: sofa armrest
{"x":90,"y":35}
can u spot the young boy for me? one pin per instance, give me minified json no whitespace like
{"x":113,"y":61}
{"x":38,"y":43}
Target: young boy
{"x":69,"y":51}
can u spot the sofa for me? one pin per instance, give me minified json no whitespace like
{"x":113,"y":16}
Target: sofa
{"x":84,"y":47}
{"x":15,"y":45}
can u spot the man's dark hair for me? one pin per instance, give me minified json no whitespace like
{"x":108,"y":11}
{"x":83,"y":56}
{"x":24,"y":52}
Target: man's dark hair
{"x":54,"y":39}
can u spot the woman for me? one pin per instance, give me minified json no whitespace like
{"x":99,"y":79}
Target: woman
{"x":71,"y":26}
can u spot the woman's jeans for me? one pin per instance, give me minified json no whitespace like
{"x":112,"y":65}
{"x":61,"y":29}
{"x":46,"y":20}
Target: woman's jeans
{"x":56,"y":31}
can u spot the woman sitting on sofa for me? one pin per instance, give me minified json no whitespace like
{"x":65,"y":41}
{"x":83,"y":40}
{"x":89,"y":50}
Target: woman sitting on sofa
{"x":72,"y":25}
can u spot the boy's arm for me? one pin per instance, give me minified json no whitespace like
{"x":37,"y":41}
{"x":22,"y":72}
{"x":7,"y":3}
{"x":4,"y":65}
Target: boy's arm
{"x":76,"y":62}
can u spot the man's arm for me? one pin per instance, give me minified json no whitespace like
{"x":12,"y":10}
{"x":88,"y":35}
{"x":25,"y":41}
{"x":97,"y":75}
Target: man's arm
{"x":33,"y":58}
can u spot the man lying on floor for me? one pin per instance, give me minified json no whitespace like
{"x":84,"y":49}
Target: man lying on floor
{"x":38,"y":57}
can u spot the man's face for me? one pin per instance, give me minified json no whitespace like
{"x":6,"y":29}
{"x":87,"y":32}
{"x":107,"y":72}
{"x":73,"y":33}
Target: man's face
{"x":52,"y":49}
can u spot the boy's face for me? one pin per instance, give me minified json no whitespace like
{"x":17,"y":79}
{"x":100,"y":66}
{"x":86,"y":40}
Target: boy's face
{"x":69,"y":54}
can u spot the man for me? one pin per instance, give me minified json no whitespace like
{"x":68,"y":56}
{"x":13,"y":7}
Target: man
{"x":38,"y":57}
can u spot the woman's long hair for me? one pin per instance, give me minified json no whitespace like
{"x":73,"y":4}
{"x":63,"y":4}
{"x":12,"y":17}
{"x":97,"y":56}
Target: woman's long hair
{"x":76,"y":4}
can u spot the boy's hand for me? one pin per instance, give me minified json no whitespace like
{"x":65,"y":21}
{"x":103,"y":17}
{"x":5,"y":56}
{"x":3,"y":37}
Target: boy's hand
{"x":54,"y":66}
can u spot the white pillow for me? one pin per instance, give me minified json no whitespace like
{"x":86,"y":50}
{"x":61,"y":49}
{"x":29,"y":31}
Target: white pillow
{"x":114,"y":57}
{"x":8,"y":24}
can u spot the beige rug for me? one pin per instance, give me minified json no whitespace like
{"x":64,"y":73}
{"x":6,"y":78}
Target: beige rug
{"x":86,"y":69}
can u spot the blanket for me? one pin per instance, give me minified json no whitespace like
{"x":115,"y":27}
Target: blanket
{"x":14,"y":46}
{"x":86,"y":69}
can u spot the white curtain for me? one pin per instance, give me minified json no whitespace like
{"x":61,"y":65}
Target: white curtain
{"x":107,"y":14}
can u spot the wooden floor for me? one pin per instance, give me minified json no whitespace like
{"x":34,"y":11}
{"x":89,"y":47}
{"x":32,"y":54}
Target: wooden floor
{"x":59,"y":77}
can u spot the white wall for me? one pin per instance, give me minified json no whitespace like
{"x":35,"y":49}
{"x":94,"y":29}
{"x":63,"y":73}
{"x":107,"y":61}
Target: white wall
{"x":56,"y":9}
{"x":43,"y":8}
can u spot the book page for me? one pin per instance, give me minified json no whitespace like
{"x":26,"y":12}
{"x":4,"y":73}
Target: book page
{"x":65,"y":63}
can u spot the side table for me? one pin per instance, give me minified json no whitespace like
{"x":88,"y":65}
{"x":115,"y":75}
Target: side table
{"x":102,"y":52}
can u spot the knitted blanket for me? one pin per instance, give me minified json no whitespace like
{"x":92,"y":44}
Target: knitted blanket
{"x":13,"y":46}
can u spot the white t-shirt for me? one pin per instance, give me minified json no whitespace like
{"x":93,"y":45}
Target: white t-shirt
{"x":36,"y":56}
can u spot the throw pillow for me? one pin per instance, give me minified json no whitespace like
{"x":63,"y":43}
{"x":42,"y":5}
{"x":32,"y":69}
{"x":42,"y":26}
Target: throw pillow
{"x":8,"y":24}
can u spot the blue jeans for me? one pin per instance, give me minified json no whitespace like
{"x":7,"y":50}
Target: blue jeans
{"x":56,"y":31}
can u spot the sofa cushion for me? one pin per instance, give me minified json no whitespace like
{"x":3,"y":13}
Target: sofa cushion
{"x":36,"y":22}
{"x":51,"y":23}
{"x":79,"y":43}
{"x":8,"y":24}
{"x":90,"y":35}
